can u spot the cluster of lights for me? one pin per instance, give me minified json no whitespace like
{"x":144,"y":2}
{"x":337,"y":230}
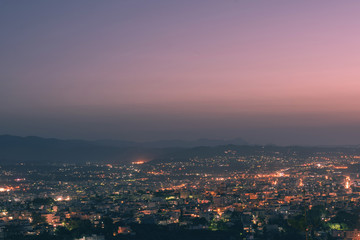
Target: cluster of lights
{"x":5,"y":189}
{"x":59,"y":199}
{"x":347,"y":182}
{"x":138,"y":162}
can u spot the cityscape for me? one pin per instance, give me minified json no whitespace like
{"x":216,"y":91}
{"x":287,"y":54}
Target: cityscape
{"x":246,"y":192}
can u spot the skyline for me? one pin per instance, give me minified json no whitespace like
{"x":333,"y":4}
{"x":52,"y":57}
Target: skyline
{"x":284,"y":73}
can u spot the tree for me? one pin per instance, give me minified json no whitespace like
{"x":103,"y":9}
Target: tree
{"x":346,"y":220}
{"x":37,"y":219}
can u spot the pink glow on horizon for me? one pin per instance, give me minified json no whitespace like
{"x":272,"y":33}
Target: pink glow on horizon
{"x":242,"y":63}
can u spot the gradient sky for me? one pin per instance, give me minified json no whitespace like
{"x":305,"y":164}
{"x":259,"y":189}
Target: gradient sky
{"x":283,"y":72}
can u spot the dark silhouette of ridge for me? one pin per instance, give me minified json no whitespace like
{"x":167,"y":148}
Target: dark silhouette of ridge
{"x":32,"y":148}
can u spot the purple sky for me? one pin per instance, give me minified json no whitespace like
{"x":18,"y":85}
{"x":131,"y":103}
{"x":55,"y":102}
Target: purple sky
{"x":283,"y":72}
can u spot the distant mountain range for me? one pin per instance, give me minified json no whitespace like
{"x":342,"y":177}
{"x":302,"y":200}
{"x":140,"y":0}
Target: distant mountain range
{"x":15,"y":149}
{"x":173,"y":143}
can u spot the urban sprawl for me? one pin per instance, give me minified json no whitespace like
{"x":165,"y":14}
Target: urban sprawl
{"x":287,"y":194}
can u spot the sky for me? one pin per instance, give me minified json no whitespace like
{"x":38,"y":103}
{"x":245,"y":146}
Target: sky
{"x":280,"y":72}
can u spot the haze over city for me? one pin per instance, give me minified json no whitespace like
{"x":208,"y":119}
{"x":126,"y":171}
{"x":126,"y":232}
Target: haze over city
{"x":280,"y":72}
